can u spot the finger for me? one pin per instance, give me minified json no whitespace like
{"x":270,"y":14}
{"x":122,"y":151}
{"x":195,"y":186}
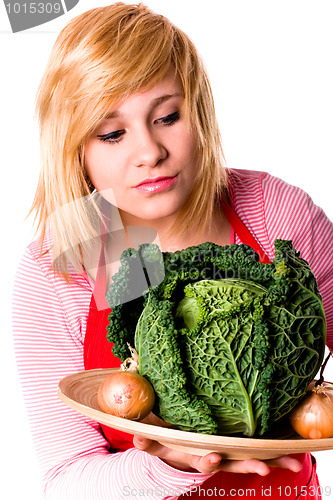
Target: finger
{"x":251,"y":466}
{"x":145,"y":444}
{"x":260,"y":467}
{"x":206,"y":464}
{"x":286,"y":462}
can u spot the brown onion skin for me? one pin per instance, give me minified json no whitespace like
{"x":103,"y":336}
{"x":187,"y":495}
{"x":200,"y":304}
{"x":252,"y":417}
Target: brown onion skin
{"x":126,"y":394}
{"x":312,"y":418}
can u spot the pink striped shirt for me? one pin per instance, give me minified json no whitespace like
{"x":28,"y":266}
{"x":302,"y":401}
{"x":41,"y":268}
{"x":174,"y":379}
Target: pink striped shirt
{"x":49,"y":320}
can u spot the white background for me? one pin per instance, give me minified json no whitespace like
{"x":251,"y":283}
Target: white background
{"x":270,"y":64}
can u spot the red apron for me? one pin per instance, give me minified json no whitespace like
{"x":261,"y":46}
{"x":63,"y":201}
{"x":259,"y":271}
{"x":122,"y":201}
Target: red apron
{"x":279,"y":484}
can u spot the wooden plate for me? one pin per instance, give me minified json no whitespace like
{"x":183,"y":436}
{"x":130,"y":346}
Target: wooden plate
{"x":79,"y":391}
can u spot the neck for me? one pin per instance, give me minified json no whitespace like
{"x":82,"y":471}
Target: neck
{"x":218,"y":231}
{"x":160,"y":226}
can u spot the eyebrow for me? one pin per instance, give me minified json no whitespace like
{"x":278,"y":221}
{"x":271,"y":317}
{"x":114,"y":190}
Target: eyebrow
{"x":156,"y":102}
{"x":163,"y":98}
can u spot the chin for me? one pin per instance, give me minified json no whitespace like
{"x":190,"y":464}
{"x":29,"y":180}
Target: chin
{"x":153,"y":210}
{"x":157,"y":212}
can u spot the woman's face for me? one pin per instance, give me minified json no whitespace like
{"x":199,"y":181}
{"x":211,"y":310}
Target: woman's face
{"x":146,"y":153}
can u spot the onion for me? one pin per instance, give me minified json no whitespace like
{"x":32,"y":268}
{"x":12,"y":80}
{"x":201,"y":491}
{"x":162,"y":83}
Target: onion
{"x":312,"y":418}
{"x":126,"y":393}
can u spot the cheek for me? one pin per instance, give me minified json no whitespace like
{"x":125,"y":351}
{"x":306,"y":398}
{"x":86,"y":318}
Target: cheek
{"x":189,"y":143}
{"x":98,"y":166}
{"x":189,"y":150}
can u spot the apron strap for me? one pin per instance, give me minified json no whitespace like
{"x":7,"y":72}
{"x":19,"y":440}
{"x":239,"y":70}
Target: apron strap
{"x":100,"y":282}
{"x":242,"y":231}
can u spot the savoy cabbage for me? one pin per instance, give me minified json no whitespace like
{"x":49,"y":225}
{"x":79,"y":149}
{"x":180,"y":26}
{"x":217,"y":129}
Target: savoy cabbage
{"x":228,"y":343}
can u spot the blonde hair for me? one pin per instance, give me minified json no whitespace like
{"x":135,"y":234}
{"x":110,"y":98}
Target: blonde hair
{"x":100,"y":57}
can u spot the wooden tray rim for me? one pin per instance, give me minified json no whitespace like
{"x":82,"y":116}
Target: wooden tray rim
{"x":179,"y":437}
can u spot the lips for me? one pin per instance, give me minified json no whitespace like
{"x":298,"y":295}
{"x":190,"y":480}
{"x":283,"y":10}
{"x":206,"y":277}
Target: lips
{"x":156,"y":184}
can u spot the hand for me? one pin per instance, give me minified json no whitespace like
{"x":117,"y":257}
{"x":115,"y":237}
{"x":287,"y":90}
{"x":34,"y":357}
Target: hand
{"x":213,"y":462}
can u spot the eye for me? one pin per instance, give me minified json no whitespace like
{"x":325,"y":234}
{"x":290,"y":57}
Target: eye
{"x":112,"y":137}
{"x":169,"y":119}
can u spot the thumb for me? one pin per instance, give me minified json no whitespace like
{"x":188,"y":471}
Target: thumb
{"x":141,"y":443}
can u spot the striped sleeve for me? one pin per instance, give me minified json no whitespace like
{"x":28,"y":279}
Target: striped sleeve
{"x":273,"y":209}
{"x":49,"y":320}
{"x":291,"y":214}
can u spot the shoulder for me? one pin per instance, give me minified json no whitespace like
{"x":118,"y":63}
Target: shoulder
{"x":259,"y":195}
{"x":38,"y":254}
{"x":273,"y":209}
{"x":238,"y":177}
{"x":39,"y":285}
{"x":252,"y":185}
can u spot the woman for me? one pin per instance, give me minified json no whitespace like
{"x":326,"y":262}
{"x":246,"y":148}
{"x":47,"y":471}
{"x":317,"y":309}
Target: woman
{"x":128,"y":126}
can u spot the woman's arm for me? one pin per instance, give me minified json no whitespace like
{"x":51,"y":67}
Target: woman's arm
{"x":273,"y":209}
{"x":291,"y":214}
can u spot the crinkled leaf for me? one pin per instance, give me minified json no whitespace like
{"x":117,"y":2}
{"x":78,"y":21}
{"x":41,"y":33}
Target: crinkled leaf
{"x":160,"y":362}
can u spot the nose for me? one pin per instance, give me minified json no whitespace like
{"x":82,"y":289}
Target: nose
{"x":148,"y":150}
